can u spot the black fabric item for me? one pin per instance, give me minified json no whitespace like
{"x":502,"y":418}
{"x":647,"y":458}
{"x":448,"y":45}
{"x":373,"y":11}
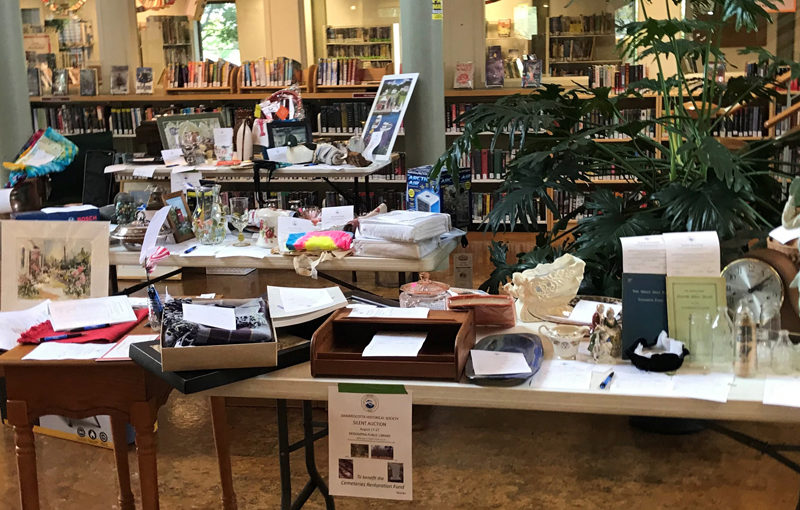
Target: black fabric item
{"x":666,"y":362}
{"x":252,"y":324}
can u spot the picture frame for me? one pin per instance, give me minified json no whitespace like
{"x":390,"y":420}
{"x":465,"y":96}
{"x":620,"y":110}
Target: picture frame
{"x":179,"y":217}
{"x":386,"y":115}
{"x":171,"y":129}
{"x":56,"y":260}
{"x":278,"y":132}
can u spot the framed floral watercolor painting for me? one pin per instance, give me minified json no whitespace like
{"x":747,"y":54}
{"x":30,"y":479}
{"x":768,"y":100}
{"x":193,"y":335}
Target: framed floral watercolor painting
{"x":53,"y":260}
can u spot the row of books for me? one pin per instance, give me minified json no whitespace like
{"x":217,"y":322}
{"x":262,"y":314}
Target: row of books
{"x":571,"y":49}
{"x":483,"y":203}
{"x":618,"y":77}
{"x":568,"y":202}
{"x":369,"y":51}
{"x":341,"y":117}
{"x":339,"y":71}
{"x":174,"y":29}
{"x":70,"y":119}
{"x":279,"y":72}
{"x":393,"y":198}
{"x":596,"y":118}
{"x":747,"y":121}
{"x":583,"y":24}
{"x":124,"y":121}
{"x":489,"y":163}
{"x":200,"y":74}
{"x":74,"y":32}
{"x":358,"y":34}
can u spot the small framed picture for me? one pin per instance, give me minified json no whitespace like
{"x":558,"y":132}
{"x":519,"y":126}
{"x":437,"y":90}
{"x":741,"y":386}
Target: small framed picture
{"x":192,"y":128}
{"x":286,"y":132}
{"x":179,"y":217}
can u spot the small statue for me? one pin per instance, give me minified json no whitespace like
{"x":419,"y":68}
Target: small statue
{"x":595,"y":332}
{"x":603,"y":351}
{"x":596,"y":317}
{"x":613,"y":331}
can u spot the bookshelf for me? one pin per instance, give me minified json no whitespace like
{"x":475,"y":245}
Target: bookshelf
{"x":372,"y":45}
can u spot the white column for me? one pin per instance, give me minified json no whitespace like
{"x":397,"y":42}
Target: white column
{"x":15,"y":110}
{"x":116,"y":38}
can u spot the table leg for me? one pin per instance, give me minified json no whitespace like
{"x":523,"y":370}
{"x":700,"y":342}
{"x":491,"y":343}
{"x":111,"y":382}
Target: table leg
{"x":112,"y":280}
{"x":356,"y":197}
{"x":143,"y":418}
{"x":219,"y":422}
{"x":311,"y":462}
{"x":283,"y":450}
{"x":120,"y":436}
{"x":26,"y":454}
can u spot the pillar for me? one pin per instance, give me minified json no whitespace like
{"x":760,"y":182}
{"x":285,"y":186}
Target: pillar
{"x":422,"y":53}
{"x":14,"y":107}
{"x":116,"y":39}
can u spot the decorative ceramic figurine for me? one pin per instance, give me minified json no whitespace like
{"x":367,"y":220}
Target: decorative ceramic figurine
{"x":613,"y":333}
{"x":565,"y":339}
{"x":547,"y":288}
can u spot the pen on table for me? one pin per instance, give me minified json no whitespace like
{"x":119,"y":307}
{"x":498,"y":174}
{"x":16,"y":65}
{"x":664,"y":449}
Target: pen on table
{"x":59,"y":337}
{"x":606,"y":381}
{"x":88,"y":328}
{"x":190,"y":249}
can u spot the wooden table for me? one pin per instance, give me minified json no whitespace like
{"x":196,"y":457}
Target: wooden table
{"x":78,"y":389}
{"x":295,"y":383}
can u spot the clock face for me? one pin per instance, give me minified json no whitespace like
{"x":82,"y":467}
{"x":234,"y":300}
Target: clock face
{"x":754,"y":280}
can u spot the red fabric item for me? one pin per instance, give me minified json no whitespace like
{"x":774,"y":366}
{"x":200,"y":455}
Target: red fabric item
{"x":109,"y":334}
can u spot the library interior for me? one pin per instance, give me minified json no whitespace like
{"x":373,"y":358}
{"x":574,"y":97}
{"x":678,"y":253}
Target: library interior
{"x":261,"y":237}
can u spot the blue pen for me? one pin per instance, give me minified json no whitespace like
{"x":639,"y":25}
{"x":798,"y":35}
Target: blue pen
{"x":88,"y":328}
{"x":606,"y":381}
{"x":59,"y":337}
{"x":190,"y":249}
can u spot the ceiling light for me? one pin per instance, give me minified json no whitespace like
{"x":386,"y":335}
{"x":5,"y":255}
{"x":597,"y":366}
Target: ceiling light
{"x":352,"y":7}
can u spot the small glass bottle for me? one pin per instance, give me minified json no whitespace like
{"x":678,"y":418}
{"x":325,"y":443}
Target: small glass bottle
{"x":722,"y":340}
{"x":155,"y":308}
{"x":766,"y":337}
{"x":782,"y":354}
{"x":744,"y":361}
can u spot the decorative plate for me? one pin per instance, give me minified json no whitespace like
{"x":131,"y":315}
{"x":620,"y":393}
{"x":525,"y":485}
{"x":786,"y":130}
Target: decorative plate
{"x":528,"y":344}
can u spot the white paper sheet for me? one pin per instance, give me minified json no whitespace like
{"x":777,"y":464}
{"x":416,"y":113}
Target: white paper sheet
{"x":255,"y":252}
{"x":287,"y":225}
{"x":151,"y":234}
{"x":119,"y":351}
{"x":390,"y":312}
{"x":629,"y":380}
{"x":79,"y":313}
{"x":179,"y":180}
{"x":713,"y":386}
{"x":5,"y":200}
{"x":404,"y":344}
{"x":692,"y":253}
{"x":335,"y":216}
{"x":499,"y":363}
{"x":173,"y":157}
{"x":643,"y":255}
{"x":213,"y":316}
{"x":58,"y":351}
{"x":784,"y":235}
{"x":110,"y":169}
{"x":202,"y":250}
{"x":563,"y":375}
{"x":782,"y":391}
{"x":13,"y":324}
{"x":146,"y":171}
{"x":297,"y":301}
{"x":138,"y":302}
{"x":209,"y":295}
{"x":585,"y":308}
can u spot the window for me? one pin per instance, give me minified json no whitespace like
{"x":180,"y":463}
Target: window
{"x":219,"y":35}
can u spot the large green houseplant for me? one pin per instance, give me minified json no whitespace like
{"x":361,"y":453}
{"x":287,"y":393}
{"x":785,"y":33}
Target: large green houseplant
{"x":688,"y":181}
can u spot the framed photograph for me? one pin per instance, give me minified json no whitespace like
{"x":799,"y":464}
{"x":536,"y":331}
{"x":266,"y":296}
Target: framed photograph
{"x":386,"y":115}
{"x":55,"y":260}
{"x":195,"y":127}
{"x":280,"y":131}
{"x":179,"y":217}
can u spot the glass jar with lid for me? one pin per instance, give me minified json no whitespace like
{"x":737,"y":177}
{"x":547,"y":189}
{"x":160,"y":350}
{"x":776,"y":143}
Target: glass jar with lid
{"x":425,"y":293}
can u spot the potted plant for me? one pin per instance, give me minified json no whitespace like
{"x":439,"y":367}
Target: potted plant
{"x":687,"y":179}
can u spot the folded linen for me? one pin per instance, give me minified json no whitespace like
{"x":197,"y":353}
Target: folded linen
{"x":369,"y":247}
{"x":405,"y":226}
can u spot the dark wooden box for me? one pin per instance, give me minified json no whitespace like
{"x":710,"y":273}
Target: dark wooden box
{"x":337,"y":345}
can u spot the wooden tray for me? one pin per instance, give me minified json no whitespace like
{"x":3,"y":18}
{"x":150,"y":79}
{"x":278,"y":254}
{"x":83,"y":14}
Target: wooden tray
{"x":337,"y":345}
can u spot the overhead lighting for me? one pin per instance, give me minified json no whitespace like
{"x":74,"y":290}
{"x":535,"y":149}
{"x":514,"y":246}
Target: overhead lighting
{"x":352,"y":7}
{"x":545,"y":6}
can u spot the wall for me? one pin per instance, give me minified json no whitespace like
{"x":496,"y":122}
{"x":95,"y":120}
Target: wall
{"x":463,"y":19}
{"x":367,"y":12}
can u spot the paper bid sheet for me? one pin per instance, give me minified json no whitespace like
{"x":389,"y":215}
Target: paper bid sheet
{"x":369,"y":441}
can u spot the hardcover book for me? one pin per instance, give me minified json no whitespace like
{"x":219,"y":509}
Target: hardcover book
{"x":119,"y":80}
{"x":144,"y":80}
{"x":644,"y":307}
{"x":33,"y":82}
{"x":495,"y":73}
{"x":88,"y":85}
{"x":60,"y":82}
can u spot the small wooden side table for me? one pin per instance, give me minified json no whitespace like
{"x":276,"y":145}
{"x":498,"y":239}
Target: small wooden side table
{"x":78,"y":389}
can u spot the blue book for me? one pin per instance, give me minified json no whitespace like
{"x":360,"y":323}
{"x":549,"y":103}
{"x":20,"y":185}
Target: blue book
{"x":644,"y":307}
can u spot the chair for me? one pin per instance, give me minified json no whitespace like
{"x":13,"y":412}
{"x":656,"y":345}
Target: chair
{"x":97,"y":185}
